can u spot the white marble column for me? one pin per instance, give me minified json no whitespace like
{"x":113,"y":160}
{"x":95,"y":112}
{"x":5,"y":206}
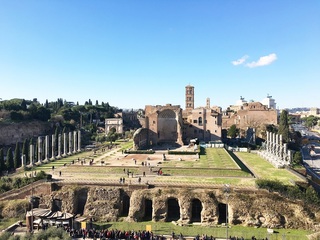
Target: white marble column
{"x":47,"y":147}
{"x":268,"y":142}
{"x":53,"y":147}
{"x":64,"y":144}
{"x":39,"y":149}
{"x":79,"y":141}
{"x":23,"y":160}
{"x":74,"y":141}
{"x":70,"y":143}
{"x":59,"y":146}
{"x":289,"y":156}
{"x":31,"y":154}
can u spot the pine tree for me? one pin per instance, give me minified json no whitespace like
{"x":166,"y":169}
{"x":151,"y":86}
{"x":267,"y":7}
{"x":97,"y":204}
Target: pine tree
{"x":17,"y":157}
{"x":284,"y":126}
{"x":9,"y":160}
{"x":24,"y":105}
{"x":46,"y":104}
{"x":2,"y":163}
{"x":25,"y":150}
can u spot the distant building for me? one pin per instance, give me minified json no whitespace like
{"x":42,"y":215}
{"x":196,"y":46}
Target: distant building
{"x":116,"y":123}
{"x":171,"y":125}
{"x":269,"y":102}
{"x":315,"y":112}
{"x":249,"y":115}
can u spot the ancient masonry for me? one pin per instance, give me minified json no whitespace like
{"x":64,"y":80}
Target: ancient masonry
{"x":182,"y":205}
{"x":71,"y":144}
{"x":276,"y":152}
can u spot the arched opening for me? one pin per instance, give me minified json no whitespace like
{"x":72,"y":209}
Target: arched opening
{"x":196,"y":210}
{"x":125,"y":205}
{"x":81,"y":196}
{"x":167,"y":126}
{"x":173,"y":212}
{"x":147,"y":210}
{"x":56,"y":205}
{"x":222,"y":208}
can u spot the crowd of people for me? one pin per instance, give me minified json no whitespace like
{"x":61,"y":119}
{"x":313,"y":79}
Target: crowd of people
{"x":110,"y":234}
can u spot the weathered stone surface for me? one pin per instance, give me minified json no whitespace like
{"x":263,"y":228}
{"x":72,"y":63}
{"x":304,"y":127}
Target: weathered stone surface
{"x":10,"y":133}
{"x":248,"y":208}
{"x":103,"y":203}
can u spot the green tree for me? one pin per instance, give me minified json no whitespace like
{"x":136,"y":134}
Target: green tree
{"x":112,"y":135}
{"x":233,"y":131}
{"x":17,"y":157}
{"x":284,"y":126}
{"x":2,"y":163}
{"x":311,"y":121}
{"x":25,"y":149}
{"x":312,"y":196}
{"x":297,"y":158}
{"x":9,"y":160}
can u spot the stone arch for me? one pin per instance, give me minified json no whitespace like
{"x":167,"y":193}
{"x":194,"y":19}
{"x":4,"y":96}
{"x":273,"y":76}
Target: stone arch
{"x":196,"y":209}
{"x":222,"y":210}
{"x":148,"y":210}
{"x":125,"y":205}
{"x":56,"y":205}
{"x":167,"y":126}
{"x":173,"y":209}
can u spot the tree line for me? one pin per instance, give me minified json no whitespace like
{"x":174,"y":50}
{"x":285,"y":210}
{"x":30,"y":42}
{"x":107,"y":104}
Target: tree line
{"x":61,"y":110}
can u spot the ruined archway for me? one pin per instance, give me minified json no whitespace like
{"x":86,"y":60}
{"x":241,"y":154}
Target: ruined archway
{"x":56,"y":205}
{"x":196,"y":210}
{"x":147,"y":210}
{"x":222,"y":209}
{"x":81,"y":197}
{"x":173,"y":210}
{"x":125,"y":205}
{"x":167,"y":126}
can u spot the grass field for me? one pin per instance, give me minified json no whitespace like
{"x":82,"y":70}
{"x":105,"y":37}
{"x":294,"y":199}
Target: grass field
{"x":264,"y":169}
{"x":162,"y":228}
{"x":215,"y":167}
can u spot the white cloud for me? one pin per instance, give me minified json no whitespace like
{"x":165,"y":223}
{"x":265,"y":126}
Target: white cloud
{"x":240,"y":61}
{"x":263,"y":61}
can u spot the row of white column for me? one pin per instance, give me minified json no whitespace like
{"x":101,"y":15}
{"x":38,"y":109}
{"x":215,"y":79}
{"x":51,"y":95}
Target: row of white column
{"x":71,"y":145}
{"x":277,"y":148}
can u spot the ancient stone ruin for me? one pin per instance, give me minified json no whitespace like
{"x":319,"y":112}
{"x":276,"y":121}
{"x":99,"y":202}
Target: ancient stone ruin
{"x":183,"y":206}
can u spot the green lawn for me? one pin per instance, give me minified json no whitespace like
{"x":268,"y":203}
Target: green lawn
{"x":263,"y":169}
{"x":163,"y":228}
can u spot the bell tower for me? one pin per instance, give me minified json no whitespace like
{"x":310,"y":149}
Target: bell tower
{"x":189,"y":97}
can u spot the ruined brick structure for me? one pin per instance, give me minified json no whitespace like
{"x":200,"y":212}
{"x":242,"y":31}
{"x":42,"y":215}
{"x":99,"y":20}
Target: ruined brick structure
{"x":171,"y":125}
{"x":249,"y":115}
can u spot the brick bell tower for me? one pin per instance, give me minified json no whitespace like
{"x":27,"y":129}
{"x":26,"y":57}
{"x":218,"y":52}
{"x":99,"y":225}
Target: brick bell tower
{"x":189,"y":97}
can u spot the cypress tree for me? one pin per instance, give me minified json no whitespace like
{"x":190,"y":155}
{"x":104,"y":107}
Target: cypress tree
{"x":25,"y":150}
{"x":56,"y":136}
{"x":2,"y":163}
{"x":17,"y":157}
{"x":284,"y":126}
{"x":36,"y":152}
{"x":9,"y":160}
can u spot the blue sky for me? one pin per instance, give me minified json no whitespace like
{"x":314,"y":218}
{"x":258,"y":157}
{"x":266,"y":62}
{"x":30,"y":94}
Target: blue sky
{"x":144,"y":52}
